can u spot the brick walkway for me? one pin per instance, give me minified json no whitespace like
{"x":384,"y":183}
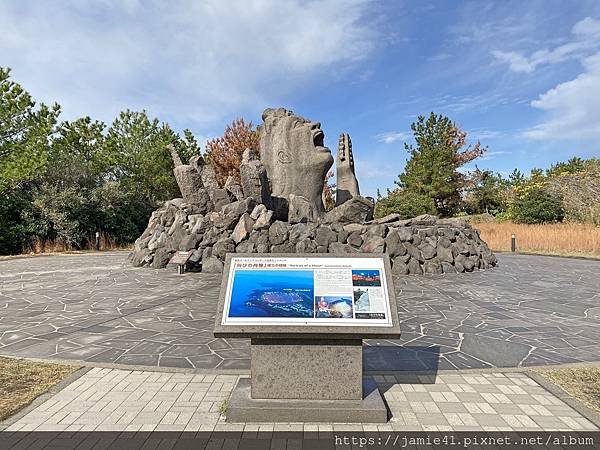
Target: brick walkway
{"x":121,"y":400}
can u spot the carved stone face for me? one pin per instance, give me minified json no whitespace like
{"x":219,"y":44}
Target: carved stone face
{"x":292,"y":151}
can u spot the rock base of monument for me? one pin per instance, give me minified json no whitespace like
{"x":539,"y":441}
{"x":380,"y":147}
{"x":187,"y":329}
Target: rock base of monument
{"x":424,"y":244}
{"x":370,"y":409}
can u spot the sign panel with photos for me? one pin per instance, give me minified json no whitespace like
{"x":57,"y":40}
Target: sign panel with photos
{"x":336,"y":291}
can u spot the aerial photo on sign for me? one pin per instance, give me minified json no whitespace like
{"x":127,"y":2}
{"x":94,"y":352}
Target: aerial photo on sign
{"x":315,"y":291}
{"x":263,"y":293}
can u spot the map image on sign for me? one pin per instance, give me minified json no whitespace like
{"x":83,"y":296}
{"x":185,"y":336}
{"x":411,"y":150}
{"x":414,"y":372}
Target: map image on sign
{"x":259,"y":293}
{"x":313,"y":291}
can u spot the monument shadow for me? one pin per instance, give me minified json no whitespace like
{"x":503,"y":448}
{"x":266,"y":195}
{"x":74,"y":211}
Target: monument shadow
{"x":404,"y":360}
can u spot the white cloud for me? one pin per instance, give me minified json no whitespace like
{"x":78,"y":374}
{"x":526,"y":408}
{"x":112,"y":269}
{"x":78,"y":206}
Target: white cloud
{"x":586,"y":37}
{"x":516,"y":61}
{"x":196,"y":62}
{"x":390,"y":137}
{"x":573,"y":106}
{"x":493,"y":155}
{"x":482,"y":134}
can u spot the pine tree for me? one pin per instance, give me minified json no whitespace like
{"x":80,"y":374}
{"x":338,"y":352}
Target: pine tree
{"x":24,"y":133}
{"x":432,"y":170}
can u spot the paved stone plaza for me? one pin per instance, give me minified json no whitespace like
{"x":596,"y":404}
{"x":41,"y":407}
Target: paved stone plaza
{"x":134,"y":401}
{"x":530,"y":310}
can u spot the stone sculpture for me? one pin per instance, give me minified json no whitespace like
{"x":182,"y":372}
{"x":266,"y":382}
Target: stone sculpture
{"x":296,"y":161}
{"x":189,"y":180}
{"x":277,"y":207}
{"x":346,"y":182}
{"x":253,"y":177}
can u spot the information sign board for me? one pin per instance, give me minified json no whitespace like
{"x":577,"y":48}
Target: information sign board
{"x":180,"y":258}
{"x":315,"y":291}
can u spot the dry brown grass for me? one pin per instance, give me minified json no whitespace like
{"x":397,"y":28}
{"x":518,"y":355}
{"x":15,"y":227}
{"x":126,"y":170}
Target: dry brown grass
{"x":22,"y":381}
{"x":38,"y":246}
{"x":582,"y":383}
{"x":551,"y":239}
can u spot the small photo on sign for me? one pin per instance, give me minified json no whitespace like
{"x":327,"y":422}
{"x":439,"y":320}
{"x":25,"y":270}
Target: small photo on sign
{"x":366,"y":278}
{"x":327,"y":307}
{"x":264,"y":293}
{"x":361,"y":300}
{"x":369,"y":303}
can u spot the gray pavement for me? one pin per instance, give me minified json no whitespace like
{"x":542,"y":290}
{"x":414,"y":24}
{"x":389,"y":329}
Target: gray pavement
{"x":530,"y":310}
{"x":144,"y":401}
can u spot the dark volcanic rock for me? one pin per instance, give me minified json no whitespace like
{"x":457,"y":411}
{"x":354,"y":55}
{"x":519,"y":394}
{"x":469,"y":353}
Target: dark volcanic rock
{"x":355,"y":210}
{"x":278,"y":232}
{"x":212,"y":265}
{"x":300,"y":210}
{"x":325,"y":236}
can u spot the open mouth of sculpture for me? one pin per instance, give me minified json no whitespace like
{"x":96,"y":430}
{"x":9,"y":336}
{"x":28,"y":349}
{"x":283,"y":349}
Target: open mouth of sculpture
{"x":318,"y":137}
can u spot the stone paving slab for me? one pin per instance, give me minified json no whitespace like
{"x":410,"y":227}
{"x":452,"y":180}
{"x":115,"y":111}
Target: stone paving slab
{"x":121,"y":400}
{"x":529,"y":310}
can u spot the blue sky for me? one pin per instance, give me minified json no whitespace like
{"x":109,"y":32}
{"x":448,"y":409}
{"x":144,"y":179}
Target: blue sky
{"x":523,"y":77}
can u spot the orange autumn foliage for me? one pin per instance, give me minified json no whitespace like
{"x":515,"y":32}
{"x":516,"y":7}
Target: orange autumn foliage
{"x":225,"y":153}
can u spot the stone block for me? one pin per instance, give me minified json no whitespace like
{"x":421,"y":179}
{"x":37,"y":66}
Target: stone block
{"x":278,"y":232}
{"x":355,"y":210}
{"x":242,"y":229}
{"x":234,"y":188}
{"x":212,"y":265}
{"x":325,"y":236}
{"x":373,"y":244}
{"x":306,"y":369}
{"x":243,"y":408}
{"x":355,"y":239}
{"x":394,"y":245}
{"x":354,"y":228}
{"x":300,"y":210}
{"x":221,"y":197}
{"x":337,"y":248}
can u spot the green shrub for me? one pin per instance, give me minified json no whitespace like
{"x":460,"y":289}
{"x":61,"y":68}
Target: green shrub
{"x":538,"y":206}
{"x":121,"y":214}
{"x":406,"y":203}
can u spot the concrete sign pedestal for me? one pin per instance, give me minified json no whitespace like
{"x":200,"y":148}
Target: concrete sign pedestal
{"x":306,"y":380}
{"x":305,"y":372}
{"x":244,"y":408}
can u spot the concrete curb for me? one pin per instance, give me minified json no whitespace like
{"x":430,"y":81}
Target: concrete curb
{"x":586,"y":258}
{"x":44,"y":397}
{"x":573,"y":402}
{"x":71,"y":253}
{"x":483,"y":370}
{"x":217,"y":371}
{"x":133,"y":367}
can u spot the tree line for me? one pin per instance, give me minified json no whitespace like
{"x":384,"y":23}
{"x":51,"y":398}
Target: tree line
{"x":434,"y":182}
{"x":63,"y":181}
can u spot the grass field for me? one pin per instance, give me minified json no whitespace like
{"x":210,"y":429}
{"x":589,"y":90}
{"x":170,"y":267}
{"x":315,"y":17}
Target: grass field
{"x":22,"y":381}
{"x":550,"y":239}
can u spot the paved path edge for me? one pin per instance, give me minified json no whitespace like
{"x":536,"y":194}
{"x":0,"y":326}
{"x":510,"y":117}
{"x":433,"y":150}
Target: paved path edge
{"x":217,"y":371}
{"x":583,"y":257}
